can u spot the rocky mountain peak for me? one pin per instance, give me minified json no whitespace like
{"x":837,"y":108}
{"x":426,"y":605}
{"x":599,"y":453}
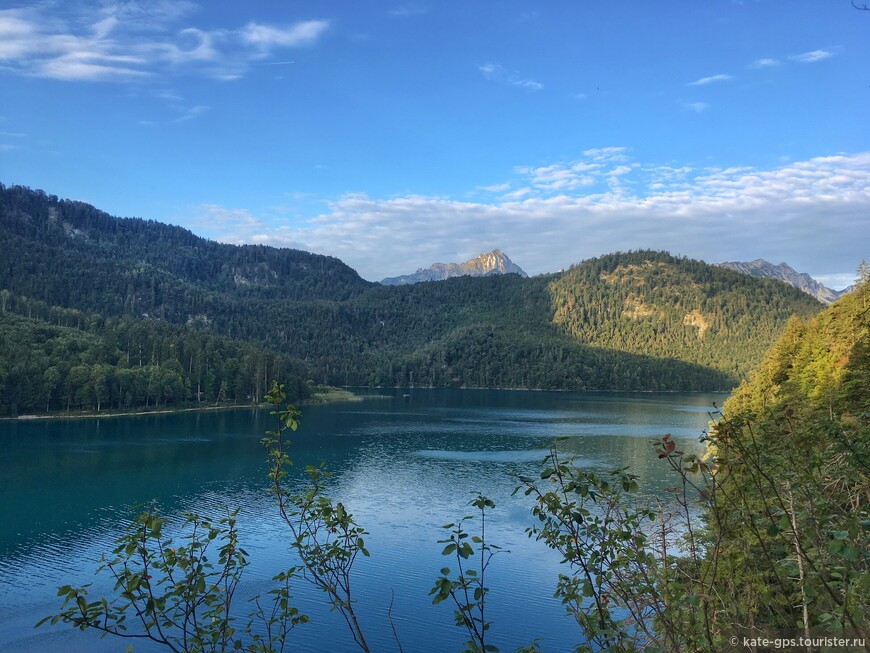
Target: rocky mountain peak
{"x":494,"y":262}
{"x":785,"y":273}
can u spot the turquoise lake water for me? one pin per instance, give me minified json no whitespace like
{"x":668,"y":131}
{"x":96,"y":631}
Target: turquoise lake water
{"x":403,"y":465}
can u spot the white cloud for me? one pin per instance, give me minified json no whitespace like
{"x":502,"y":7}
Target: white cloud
{"x":710,"y":80}
{"x":493,"y":188}
{"x":812,"y":57}
{"x":764,"y":63}
{"x":697,"y":107}
{"x":72,"y":67}
{"x":292,"y":36}
{"x":519,"y":193}
{"x":225,"y":224}
{"x":811,"y":214}
{"x":147,"y":15}
{"x":526,"y":83}
{"x":559,"y":177}
{"x":837,"y":281}
{"x":672,"y":178}
{"x":182,"y":114}
{"x":500,"y":74}
{"x":136,"y":40}
{"x":191,"y":45}
{"x":192,"y":113}
{"x":615,"y":153}
{"x":104,"y":27}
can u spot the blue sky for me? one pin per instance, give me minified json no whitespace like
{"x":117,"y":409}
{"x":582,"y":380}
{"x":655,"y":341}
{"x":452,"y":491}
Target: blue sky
{"x":397,"y":134}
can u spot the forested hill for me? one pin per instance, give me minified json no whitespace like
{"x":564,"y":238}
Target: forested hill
{"x":70,"y":253}
{"x":678,"y":308}
{"x":631,"y":321}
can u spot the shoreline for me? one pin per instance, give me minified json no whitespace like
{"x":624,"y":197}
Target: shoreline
{"x":333,"y":396}
{"x":126,"y":413}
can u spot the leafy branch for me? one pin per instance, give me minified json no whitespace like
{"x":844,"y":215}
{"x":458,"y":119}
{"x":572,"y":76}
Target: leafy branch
{"x":175,"y":595}
{"x":325,"y":535}
{"x":468,"y":589}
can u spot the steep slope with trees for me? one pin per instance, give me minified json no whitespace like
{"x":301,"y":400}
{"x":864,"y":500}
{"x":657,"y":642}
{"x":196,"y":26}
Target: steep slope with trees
{"x":793,"y":506}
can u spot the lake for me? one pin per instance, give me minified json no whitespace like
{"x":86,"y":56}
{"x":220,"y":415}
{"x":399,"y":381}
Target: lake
{"x":404,"y":464}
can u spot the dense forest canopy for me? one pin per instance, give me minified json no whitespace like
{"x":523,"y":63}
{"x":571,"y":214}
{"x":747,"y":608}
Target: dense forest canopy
{"x":791,"y":517}
{"x":67,"y":360}
{"x":628,"y":321}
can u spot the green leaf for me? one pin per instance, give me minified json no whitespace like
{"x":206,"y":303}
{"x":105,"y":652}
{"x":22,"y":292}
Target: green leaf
{"x":851,"y":553}
{"x":42,"y":621}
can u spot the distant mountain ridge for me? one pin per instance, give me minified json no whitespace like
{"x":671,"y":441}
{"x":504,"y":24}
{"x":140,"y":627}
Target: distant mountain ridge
{"x":784,"y":272}
{"x":638,"y":320}
{"x":494,"y":262}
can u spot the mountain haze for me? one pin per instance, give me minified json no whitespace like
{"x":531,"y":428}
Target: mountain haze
{"x":626,"y":321}
{"x":494,"y":262}
{"x":784,"y":272}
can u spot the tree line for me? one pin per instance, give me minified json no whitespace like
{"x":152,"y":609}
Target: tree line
{"x":54,"y":359}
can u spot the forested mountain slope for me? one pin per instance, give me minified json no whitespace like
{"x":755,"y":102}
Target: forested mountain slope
{"x":71,"y":254}
{"x":792,"y":504}
{"x":678,"y":308}
{"x":632,"y":321}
